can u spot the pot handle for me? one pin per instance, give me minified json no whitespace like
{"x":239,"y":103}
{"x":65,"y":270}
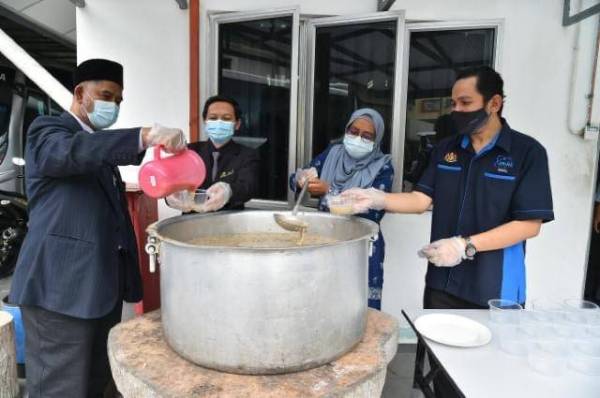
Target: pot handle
{"x":153,"y":249}
{"x":372,"y":239}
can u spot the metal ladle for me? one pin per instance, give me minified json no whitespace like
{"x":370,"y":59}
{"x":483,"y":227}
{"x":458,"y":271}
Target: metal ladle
{"x":292,"y":222}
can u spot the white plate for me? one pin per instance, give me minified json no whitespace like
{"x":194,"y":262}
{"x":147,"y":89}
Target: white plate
{"x":453,"y":330}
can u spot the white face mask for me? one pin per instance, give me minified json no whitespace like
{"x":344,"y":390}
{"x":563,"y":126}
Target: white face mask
{"x":356,"y":147}
{"x":104,"y":114}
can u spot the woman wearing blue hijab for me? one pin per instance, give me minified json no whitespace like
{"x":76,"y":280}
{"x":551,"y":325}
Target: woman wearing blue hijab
{"x":356,"y":162}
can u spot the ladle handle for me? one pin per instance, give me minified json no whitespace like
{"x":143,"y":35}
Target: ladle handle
{"x":299,"y":200}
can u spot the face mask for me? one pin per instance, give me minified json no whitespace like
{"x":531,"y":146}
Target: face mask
{"x":219,"y":131}
{"x":356,"y":147}
{"x":105,"y":114}
{"x":468,"y":123}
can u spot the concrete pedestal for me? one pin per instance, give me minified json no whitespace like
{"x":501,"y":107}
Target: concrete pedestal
{"x":143,"y":365}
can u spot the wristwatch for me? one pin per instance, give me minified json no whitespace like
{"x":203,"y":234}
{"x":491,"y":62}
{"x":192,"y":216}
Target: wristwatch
{"x":470,"y":249}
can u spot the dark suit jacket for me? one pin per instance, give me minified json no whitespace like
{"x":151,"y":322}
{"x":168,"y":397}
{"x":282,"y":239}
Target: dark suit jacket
{"x":79,"y":256}
{"x":237,"y":165}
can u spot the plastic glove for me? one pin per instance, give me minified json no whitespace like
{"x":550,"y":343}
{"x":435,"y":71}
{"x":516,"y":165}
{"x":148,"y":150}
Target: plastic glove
{"x":171,"y":139}
{"x":303,"y":175}
{"x":181,"y":200}
{"x":445,"y":252}
{"x":218,"y":195}
{"x":365,"y":199}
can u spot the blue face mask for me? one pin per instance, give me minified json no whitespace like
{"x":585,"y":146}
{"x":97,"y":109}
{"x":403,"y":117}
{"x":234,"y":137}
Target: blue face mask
{"x":356,"y":147}
{"x":219,"y":131}
{"x":105,"y":114}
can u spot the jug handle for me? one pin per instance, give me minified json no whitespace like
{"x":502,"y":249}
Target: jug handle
{"x":157,"y":149}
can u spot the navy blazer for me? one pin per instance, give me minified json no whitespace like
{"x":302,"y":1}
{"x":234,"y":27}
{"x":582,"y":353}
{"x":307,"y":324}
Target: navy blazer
{"x":79,"y":256}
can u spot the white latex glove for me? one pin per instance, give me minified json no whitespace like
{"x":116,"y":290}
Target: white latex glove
{"x":218,"y":195}
{"x":181,"y":200}
{"x":303,"y":175}
{"x":445,"y":252}
{"x":171,"y":139}
{"x":365,"y":199}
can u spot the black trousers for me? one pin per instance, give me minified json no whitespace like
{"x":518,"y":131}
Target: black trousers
{"x":437,"y":299}
{"x":66,"y":356}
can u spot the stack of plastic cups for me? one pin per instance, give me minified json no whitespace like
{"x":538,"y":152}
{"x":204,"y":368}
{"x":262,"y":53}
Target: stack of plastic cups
{"x":583,"y":317}
{"x":505,"y":320}
{"x":548,"y":336}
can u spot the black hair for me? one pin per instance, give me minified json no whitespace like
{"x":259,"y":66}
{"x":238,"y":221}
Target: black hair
{"x":489,"y":82}
{"x":222,"y":98}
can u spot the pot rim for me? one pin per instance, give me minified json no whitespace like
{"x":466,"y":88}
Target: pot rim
{"x":152,"y":230}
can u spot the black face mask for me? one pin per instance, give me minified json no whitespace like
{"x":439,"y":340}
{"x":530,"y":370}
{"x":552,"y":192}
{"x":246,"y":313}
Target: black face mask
{"x":468,"y":123}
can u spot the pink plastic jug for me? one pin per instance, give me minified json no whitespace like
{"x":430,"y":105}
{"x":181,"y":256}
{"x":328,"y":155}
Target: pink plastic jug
{"x":163,"y":176}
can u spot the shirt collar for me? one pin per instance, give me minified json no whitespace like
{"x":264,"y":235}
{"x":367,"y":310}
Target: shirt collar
{"x":502,"y":139}
{"x":81,"y":123}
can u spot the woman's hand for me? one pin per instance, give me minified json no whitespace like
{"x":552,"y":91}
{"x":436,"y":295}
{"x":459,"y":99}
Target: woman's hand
{"x":318,"y":187}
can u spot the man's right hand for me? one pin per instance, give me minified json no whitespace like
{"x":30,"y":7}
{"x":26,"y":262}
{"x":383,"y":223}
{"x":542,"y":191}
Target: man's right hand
{"x":171,"y":139}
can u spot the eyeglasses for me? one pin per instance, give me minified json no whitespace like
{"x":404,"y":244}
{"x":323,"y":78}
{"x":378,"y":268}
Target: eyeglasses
{"x":366,"y":136}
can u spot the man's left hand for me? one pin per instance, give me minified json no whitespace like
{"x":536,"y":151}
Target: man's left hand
{"x":445,"y":252}
{"x":218,"y":195}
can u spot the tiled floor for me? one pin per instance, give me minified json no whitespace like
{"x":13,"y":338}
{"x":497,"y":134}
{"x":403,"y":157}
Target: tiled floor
{"x":398,"y":383}
{"x":399,"y":376}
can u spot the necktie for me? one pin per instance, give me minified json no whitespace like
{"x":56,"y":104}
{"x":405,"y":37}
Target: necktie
{"x":215,"y":165}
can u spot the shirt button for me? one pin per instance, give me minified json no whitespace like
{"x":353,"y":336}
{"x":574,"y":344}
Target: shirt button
{"x":119,"y":248}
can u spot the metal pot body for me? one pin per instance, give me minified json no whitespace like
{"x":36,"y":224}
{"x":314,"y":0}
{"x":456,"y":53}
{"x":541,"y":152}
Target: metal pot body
{"x":261,"y":310}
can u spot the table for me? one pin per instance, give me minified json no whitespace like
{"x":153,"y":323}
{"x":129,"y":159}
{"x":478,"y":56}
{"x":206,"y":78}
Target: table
{"x":143,"y":365}
{"x":489,"y":372}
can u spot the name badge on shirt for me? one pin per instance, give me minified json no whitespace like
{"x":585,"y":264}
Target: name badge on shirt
{"x":226,"y":174}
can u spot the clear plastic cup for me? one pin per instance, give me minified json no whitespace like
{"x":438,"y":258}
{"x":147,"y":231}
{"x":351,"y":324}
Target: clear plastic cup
{"x":512,"y":339}
{"x":547,"y":357}
{"x":548,"y":310}
{"x":535,"y":326}
{"x":339,"y":205}
{"x":504,"y":311}
{"x":580,"y":305}
{"x":584,"y":357}
{"x":200,"y":196}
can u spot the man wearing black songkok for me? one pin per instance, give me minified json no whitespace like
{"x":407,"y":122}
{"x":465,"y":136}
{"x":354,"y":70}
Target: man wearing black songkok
{"x":79,"y":259}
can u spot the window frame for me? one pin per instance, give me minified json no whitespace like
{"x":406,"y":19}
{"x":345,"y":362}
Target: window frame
{"x":430,"y":26}
{"x":305,"y":151}
{"x":215,"y":20}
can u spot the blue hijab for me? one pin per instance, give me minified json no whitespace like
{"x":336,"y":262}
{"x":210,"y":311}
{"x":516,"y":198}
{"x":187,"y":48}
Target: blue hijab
{"x":342,"y":171}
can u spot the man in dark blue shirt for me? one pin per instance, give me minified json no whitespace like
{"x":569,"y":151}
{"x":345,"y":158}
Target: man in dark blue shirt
{"x":490,"y":190}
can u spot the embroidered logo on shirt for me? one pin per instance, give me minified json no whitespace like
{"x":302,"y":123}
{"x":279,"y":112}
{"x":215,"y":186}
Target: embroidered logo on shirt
{"x":503,"y":163}
{"x":226,"y":173}
{"x":451,"y":157}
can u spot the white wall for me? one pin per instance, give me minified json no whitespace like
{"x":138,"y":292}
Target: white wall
{"x":152,"y":43}
{"x":150,"y":39}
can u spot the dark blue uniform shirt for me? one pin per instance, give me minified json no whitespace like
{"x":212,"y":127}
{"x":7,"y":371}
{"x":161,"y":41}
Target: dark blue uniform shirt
{"x":474,"y":192}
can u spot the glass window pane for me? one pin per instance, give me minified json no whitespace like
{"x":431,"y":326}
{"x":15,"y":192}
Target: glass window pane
{"x":434,"y":59}
{"x":255,"y":68}
{"x":354,"y":68}
{"x":6,"y":81}
{"x":36,"y":106}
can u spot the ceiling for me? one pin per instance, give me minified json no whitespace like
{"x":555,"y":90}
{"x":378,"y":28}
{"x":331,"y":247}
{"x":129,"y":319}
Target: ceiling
{"x":58,"y":16}
{"x":45,"y":29}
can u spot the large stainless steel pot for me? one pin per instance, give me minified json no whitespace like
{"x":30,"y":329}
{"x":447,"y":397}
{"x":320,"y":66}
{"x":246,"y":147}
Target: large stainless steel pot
{"x":262,"y":310}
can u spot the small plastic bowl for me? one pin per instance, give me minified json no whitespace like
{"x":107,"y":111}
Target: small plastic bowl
{"x":584,"y":357}
{"x":339,"y":205}
{"x":547,"y":356}
{"x":504,"y":311}
{"x":200,"y":196}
